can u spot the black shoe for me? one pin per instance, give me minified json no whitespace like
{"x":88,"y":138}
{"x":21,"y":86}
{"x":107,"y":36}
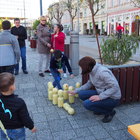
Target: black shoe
{"x":96,"y":113}
{"x":41,"y":75}
{"x":47,"y":71}
{"x":16,"y":73}
{"x":108,"y":118}
{"x":25,"y":71}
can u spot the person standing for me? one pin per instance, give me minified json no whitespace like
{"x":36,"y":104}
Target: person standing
{"x":21,"y":34}
{"x":44,"y":46}
{"x":58,"y":43}
{"x":120,"y":30}
{"x":9,"y":49}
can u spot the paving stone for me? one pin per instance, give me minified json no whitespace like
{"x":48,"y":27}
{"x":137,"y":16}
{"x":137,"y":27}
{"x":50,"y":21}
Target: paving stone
{"x":115,"y":124}
{"x":49,"y":109}
{"x":54,"y":123}
{"x":120,"y":135}
{"x":82,"y":132}
{"x":44,"y":135}
{"x":107,"y":139}
{"x":59,"y":125}
{"x":125,"y":119}
{"x":27,"y":85}
{"x":73,"y":122}
{"x":85,"y":138}
{"x":30,"y":101}
{"x":53,"y":116}
{"x":99,"y":132}
{"x":29,"y":134}
{"x":42,"y":126}
{"x":40,"y":117}
{"x":65,"y":135}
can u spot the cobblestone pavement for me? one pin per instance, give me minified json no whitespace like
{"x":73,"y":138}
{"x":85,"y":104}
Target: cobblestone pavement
{"x":55,"y":124}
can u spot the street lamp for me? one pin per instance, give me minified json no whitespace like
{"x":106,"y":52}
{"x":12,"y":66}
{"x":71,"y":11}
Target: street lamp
{"x":78,"y":12}
{"x":41,"y":9}
{"x":24,"y":13}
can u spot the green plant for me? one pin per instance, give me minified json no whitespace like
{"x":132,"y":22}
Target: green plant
{"x":118,"y":51}
{"x":1,"y":23}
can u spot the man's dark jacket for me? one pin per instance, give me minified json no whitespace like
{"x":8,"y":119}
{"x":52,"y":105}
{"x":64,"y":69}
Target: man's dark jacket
{"x":21,"y":33}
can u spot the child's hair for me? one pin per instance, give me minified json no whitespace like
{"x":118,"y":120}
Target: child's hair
{"x":57,"y":54}
{"x":6,"y":80}
{"x":87,"y":64}
{"x":60,"y":26}
{"x":6,"y":25}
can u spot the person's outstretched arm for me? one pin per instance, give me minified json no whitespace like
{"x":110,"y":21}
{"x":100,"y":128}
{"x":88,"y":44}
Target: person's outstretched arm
{"x":24,"y":116}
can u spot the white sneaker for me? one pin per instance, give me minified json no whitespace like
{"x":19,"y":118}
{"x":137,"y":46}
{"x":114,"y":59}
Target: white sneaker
{"x":65,"y":75}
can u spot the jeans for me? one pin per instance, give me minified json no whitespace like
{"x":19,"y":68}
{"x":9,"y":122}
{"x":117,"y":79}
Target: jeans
{"x":42,"y":58}
{"x":9,"y":69}
{"x":13,"y":134}
{"x":23,"y":57}
{"x":57,"y":79}
{"x":119,"y":34}
{"x":104,"y":107}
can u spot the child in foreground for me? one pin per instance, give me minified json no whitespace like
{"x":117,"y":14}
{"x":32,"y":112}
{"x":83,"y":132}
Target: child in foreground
{"x":13,"y":111}
{"x":56,"y":66}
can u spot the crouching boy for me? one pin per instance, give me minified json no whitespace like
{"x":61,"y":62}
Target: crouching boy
{"x":13,"y":111}
{"x":56,"y":66}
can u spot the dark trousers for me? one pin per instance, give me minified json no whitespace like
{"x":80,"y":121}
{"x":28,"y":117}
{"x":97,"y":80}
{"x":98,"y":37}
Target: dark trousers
{"x":9,"y":69}
{"x":104,"y":107}
{"x":57,"y":79}
{"x":66,"y":66}
{"x":23,"y":57}
{"x":119,"y":34}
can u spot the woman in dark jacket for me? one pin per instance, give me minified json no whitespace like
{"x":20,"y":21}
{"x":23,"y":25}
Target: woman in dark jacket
{"x":44,"y":45}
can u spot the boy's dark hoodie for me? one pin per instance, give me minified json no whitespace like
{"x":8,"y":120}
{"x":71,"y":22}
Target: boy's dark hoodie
{"x":55,"y":65}
{"x":20,"y":116}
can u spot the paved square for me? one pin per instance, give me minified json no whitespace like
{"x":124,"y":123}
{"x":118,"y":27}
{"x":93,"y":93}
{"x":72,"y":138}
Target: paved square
{"x":55,"y":124}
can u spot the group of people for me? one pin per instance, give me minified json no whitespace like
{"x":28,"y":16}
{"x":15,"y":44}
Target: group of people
{"x":47,"y":42}
{"x":13,"y":111}
{"x":12,"y":47}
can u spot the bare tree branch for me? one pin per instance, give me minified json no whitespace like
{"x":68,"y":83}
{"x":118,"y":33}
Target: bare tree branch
{"x":136,"y":3}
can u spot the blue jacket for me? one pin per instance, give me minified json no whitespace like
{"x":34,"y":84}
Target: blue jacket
{"x":9,"y":49}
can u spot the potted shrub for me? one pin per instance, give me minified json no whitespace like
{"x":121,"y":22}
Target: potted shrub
{"x":118,"y":51}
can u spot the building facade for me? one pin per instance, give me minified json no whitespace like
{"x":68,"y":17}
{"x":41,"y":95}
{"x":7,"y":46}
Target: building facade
{"x":85,"y":20}
{"x":115,"y":12}
{"x":122,"y":12}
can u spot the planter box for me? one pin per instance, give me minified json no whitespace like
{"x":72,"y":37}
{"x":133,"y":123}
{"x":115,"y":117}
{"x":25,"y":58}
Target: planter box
{"x":33,"y":43}
{"x":128,"y":77}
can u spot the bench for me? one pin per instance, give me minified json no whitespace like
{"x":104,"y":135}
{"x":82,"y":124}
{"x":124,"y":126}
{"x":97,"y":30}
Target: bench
{"x":128,"y":77}
{"x":134,"y":130}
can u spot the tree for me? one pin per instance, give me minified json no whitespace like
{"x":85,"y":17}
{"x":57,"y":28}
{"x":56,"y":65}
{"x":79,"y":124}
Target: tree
{"x":1,"y":23}
{"x":71,"y":7}
{"x":35,"y":24}
{"x":56,"y":12}
{"x":95,"y":6}
{"x":136,"y":3}
{"x":50,"y":14}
